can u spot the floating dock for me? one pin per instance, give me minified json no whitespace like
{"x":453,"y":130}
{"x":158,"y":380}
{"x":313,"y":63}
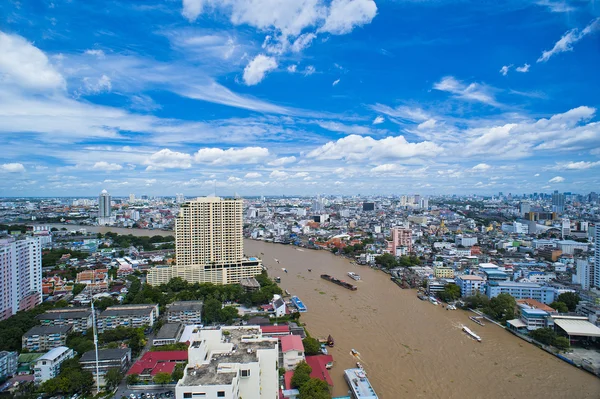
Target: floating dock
{"x":298,"y":304}
{"x":359,"y":384}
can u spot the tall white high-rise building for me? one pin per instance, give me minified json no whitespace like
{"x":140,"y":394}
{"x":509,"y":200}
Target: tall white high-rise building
{"x":179,"y":198}
{"x":584,"y":273}
{"x":131,"y":197}
{"x":104,"y":208}
{"x":20,"y":275}
{"x":209,"y":244}
{"x":596,"y":273}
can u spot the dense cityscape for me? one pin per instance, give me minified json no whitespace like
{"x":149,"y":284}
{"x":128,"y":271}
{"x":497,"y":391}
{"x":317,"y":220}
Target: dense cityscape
{"x":167,"y":290}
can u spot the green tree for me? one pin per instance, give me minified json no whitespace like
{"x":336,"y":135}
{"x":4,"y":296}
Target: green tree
{"x":477,"y":301}
{"x":560,"y":307}
{"x":502,"y":308}
{"x":77,"y":288}
{"x":314,"y":388}
{"x":450,"y":293}
{"x":387,"y":261}
{"x":132,"y":379}
{"x":162,"y":378}
{"x":543,"y":335}
{"x":113,"y":377}
{"x":570,"y":299}
{"x":177,"y":374}
{"x":311,"y":346}
{"x":561,"y":343}
{"x":211,"y":310}
{"x":301,"y":374}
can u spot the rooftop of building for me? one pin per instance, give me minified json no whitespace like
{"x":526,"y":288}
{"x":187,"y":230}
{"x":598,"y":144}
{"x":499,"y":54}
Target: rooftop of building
{"x":104,"y":354}
{"x":532,"y":303}
{"x":137,"y":310}
{"x":291,"y":343}
{"x":469,"y":277}
{"x":182,"y":306}
{"x":65,"y":313}
{"x":513,"y":284}
{"x":221,"y":368}
{"x":169,"y":331}
{"x":154,"y":362}
{"x":54,"y":353}
{"x":577,"y":327}
{"x":46,"y":330}
{"x":249,"y":282}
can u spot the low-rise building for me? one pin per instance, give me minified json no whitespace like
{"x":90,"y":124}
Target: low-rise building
{"x":107,"y":359}
{"x":443,"y":272}
{"x":48,"y":365}
{"x":79,"y":318}
{"x":8,"y":364}
{"x":44,"y":338}
{"x":152,"y":363}
{"x":469,"y":285}
{"x":538,"y":292}
{"x":128,"y":316}
{"x":230,"y":363}
{"x":186,"y":312}
{"x":168,"y":334}
{"x":292,"y":350}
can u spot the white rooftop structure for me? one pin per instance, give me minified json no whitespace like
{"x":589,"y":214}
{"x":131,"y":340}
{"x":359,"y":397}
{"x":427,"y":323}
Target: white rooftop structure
{"x":577,"y":327}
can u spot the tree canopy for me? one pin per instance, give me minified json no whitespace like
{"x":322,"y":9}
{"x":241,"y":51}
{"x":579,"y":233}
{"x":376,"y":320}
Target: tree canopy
{"x":450,"y":293}
{"x":560,"y":307}
{"x":501,"y":308}
{"x":570,"y":299}
{"x":314,"y":388}
{"x":301,"y":374}
{"x":311,"y":346}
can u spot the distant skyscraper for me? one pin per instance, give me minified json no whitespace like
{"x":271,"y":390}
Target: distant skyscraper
{"x":558,"y":202}
{"x":318,"y":205}
{"x":104,"y":210}
{"x":585,"y":273}
{"x":179,"y":198}
{"x":424,"y":203}
{"x":131,"y":197}
{"x":597,"y":258}
{"x":209,"y":244}
{"x":524,"y":208}
{"x":20,"y":275}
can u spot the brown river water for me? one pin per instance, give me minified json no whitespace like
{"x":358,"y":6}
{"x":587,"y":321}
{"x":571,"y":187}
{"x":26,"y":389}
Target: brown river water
{"x":410,"y":348}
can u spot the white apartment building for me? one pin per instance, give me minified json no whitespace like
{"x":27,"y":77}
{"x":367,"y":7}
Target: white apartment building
{"x":230,"y":363}
{"x":597,"y":258}
{"x":48,"y":366}
{"x":128,"y":316}
{"x":469,"y":285}
{"x":20,"y":275}
{"x":209,"y":244}
{"x":465,"y":241}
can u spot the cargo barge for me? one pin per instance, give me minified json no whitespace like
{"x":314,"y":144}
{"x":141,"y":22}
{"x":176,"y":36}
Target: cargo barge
{"x":339,"y":282}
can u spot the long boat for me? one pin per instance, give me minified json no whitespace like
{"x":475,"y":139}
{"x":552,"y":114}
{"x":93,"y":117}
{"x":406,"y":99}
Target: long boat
{"x":471,"y":333}
{"x":359,"y":384}
{"x":298,"y":304}
{"x":476,"y":320}
{"x":339,"y":282}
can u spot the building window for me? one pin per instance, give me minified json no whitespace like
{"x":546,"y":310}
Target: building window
{"x":187,"y":395}
{"x":221,"y":394}
{"x":245,"y":373}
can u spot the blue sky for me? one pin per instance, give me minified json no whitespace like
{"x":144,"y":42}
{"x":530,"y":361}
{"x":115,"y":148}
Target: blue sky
{"x":260,"y":97}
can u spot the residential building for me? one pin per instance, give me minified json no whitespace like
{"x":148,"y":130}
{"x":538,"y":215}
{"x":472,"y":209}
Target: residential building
{"x":104,"y":208}
{"x":127,"y":316}
{"x":292,"y":350}
{"x":20,"y":275}
{"x":209,"y":244}
{"x":186,"y":312}
{"x":107,"y":359}
{"x":401,"y":238}
{"x":569,"y":246}
{"x":152,"y":363}
{"x":535,"y":318}
{"x":469,"y":285}
{"x":168,"y":334}
{"x":585,"y":273}
{"x":8,"y":364}
{"x":230,"y":363}
{"x":44,"y":338}
{"x":80,"y":319}
{"x":368,"y":206}
{"x":538,"y":292}
{"x":465,"y":241}
{"x":48,"y":365}
{"x":597,"y":257}
{"x":443,"y":272}
{"x":558,"y":202}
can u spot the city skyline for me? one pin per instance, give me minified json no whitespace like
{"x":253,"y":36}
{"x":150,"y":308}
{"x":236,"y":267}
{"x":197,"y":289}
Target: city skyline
{"x":342,"y":96}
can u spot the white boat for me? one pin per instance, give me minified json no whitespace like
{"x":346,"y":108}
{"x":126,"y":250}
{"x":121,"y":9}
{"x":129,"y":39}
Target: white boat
{"x":354,"y":275}
{"x":471,"y":333}
{"x":433,"y":300}
{"x":355,"y":352}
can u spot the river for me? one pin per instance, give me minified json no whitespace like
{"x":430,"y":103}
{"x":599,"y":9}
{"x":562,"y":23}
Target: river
{"x":410,"y":348}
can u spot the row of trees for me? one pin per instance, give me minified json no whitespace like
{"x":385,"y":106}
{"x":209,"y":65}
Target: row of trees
{"x":310,"y":388}
{"x":389,"y":261}
{"x":144,"y":242}
{"x":52,"y":256}
{"x":547,"y":336}
{"x":501,"y":308}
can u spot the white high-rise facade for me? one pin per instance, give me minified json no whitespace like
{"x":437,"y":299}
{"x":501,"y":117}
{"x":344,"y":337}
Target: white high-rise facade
{"x":179,"y":198}
{"x":20,"y":275}
{"x":104,"y":209}
{"x":209,"y":244}
{"x":596,"y":273}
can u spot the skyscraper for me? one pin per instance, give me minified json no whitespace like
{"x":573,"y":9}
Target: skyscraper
{"x":596,"y":274}
{"x":104,"y":210}
{"x":20,"y":275}
{"x":209,"y":244}
{"x":524,"y":208}
{"x":179,"y":198}
{"x":558,"y":202}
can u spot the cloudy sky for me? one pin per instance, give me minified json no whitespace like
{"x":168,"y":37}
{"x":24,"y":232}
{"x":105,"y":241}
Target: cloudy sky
{"x":271,"y":97}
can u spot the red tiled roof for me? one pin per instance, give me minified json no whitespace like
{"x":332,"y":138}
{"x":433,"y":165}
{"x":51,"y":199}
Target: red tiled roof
{"x":275,"y":329}
{"x":318,"y":363}
{"x":160,"y":361}
{"x":287,"y":378}
{"x":291,"y":343}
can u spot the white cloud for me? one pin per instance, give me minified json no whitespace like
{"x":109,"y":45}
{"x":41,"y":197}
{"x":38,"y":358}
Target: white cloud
{"x":335,"y":82}
{"x":557,"y":179}
{"x":25,"y":65}
{"x":107,"y":167}
{"x":357,"y":148}
{"x":345,"y":15}
{"x":233,"y":179}
{"x":309,"y":70}
{"x":555,"y":6}
{"x":12,"y":167}
{"x":403,"y":112}
{"x":581,"y":165}
{"x":536,"y":175}
{"x":472,"y":91}
{"x":292,"y":68}
{"x":252,"y":175}
{"x":95,"y":53}
{"x":257,"y":69}
{"x":342,"y":128}
{"x":524,"y":68}
{"x":301,"y":174}
{"x":387,"y":168}
{"x":231,"y":156}
{"x":279,"y":175}
{"x":283,"y":161}
{"x":482,"y":167}
{"x":302,"y":42}
{"x":379,"y":119}
{"x":504,"y":70}
{"x":567,"y":41}
{"x":428,"y":124}
{"x":167,"y":159}
{"x":99,"y":85}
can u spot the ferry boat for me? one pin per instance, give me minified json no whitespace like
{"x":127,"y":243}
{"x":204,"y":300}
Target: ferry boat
{"x":359,"y":384}
{"x":433,"y":300}
{"x":422,"y":297}
{"x":476,"y":320}
{"x":339,"y":282}
{"x":298,"y":304}
{"x":354,"y":276}
{"x":471,"y":333}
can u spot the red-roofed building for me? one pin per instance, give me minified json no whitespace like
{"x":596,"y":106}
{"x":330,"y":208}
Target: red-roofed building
{"x":320,"y":365}
{"x":157,"y":362}
{"x":274,"y":331}
{"x":292,"y":349}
